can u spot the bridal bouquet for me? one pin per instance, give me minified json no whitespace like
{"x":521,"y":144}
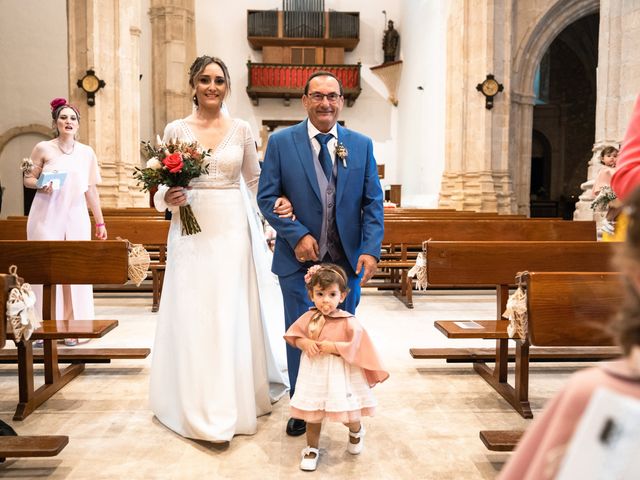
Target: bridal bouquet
{"x":605,"y":196}
{"x":173,"y":164}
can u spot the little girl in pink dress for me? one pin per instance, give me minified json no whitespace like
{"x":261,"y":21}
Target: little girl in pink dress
{"x":339,"y":364}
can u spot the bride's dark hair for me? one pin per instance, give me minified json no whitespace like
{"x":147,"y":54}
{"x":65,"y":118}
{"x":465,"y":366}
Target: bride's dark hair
{"x":198,"y":66}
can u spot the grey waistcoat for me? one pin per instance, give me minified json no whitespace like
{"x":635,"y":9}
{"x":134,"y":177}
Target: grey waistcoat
{"x":329,"y":238}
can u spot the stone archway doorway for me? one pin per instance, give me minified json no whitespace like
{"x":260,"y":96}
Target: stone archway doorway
{"x":527,"y":61}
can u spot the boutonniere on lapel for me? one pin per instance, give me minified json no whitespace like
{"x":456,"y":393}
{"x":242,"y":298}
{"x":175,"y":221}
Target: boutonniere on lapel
{"x":342,"y":153}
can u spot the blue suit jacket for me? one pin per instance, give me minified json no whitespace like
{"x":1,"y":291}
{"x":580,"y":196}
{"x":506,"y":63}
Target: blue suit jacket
{"x":288,"y":170}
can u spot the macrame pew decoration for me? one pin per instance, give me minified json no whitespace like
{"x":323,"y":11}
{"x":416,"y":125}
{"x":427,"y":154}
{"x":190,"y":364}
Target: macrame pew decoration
{"x":139,"y":261}
{"x":419,"y":270}
{"x":21,"y":314}
{"x":516,"y":311}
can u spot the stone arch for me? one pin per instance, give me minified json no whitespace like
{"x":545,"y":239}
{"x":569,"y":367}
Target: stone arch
{"x":14,"y":132}
{"x":535,"y":43}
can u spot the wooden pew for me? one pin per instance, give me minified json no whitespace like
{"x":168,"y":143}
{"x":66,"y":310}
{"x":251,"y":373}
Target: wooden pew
{"x":152,"y":233}
{"x":402,"y":235}
{"x":59,"y":263}
{"x":23,"y":446}
{"x":497,"y":263}
{"x":566,"y":309}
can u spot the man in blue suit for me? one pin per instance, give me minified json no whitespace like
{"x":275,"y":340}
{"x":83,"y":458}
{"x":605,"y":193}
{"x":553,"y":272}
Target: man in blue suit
{"x":330,"y":176}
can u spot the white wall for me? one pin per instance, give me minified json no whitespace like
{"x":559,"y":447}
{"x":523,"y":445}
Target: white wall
{"x":33,"y":71}
{"x":421,"y":123}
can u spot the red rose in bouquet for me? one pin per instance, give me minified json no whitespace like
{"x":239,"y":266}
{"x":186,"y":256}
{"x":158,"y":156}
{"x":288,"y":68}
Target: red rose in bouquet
{"x":174,"y":164}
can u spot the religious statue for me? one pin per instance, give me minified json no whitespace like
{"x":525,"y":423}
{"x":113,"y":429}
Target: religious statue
{"x":390,"y":42}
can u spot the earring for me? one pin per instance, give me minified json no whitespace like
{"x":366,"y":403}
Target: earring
{"x":195,"y":100}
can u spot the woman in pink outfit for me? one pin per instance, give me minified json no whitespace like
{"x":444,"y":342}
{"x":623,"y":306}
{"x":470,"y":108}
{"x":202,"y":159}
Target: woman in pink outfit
{"x":339,"y":364}
{"x":627,"y":175}
{"x":541,"y":449}
{"x":59,"y":211}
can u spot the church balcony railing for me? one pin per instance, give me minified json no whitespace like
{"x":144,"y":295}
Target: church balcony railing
{"x":296,"y":28}
{"x":272,"y":80}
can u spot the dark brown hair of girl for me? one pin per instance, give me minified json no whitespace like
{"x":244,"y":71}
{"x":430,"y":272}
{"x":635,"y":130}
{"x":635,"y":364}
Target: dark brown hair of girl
{"x":198,"y":66}
{"x":607,"y":151}
{"x":626,"y":326}
{"x":327,"y":275}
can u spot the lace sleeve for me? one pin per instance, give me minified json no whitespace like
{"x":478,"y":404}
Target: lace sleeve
{"x":250,"y":165}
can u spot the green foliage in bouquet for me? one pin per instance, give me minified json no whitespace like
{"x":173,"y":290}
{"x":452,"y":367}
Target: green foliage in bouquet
{"x":173,"y":164}
{"x":605,"y":196}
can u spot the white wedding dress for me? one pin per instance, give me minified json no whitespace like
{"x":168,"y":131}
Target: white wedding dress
{"x":219,"y":356}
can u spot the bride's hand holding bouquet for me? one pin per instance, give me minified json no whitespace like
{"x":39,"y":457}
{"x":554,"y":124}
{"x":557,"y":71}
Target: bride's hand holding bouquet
{"x":174,"y":164}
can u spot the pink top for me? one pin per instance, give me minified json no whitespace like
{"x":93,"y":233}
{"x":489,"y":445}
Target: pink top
{"x":351,"y":339}
{"x":627,"y":175}
{"x":540,"y":451}
{"x":603,"y":178}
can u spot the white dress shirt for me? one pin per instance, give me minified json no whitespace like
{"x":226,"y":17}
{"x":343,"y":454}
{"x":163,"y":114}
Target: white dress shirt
{"x":331,"y":145}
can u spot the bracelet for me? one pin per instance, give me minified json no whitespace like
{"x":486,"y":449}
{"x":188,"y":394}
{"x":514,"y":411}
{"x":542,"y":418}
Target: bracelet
{"x":99,"y":224}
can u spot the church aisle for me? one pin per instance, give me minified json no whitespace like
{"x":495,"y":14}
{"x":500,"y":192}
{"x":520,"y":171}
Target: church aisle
{"x":427,"y":423}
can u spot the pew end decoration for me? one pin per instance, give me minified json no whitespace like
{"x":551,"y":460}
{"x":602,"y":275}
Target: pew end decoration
{"x":174,"y":164}
{"x":139,"y":261}
{"x":21,"y":314}
{"x":516,"y":310}
{"x":419,"y":270}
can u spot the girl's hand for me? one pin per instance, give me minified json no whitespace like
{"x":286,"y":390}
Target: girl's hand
{"x":176,"y":197}
{"x":328,"y":347}
{"x":101,"y":232}
{"x":283,"y":208}
{"x":308,"y":346}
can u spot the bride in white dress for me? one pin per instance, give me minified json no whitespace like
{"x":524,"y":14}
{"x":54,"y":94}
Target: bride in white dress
{"x":218,"y":357}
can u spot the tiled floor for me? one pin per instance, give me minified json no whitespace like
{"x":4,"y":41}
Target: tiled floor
{"x":427,"y":423}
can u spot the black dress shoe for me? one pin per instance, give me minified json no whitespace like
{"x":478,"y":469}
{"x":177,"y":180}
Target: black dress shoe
{"x":296,"y":427}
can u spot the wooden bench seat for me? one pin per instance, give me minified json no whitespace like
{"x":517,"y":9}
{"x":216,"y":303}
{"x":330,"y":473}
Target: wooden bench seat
{"x":32,"y":445}
{"x":482,"y":263}
{"x":81,"y":355}
{"x":536,"y":354}
{"x":151,"y":232}
{"x":61,"y":329}
{"x":51,"y":263}
{"x":490,"y":329}
{"x":500,"y":440}
{"x":564,"y":309}
{"x":404,"y":239}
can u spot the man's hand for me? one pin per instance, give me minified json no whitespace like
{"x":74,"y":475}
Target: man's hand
{"x":307,"y":249}
{"x":308,"y":346}
{"x":370,"y":265}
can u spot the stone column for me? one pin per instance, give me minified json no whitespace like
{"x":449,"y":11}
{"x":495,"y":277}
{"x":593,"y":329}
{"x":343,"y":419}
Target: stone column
{"x":104,"y":36}
{"x":173,"y":40}
{"x":476,"y":174}
{"x":618,"y":77}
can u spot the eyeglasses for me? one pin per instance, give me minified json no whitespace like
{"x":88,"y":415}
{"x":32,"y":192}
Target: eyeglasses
{"x":318,"y":97}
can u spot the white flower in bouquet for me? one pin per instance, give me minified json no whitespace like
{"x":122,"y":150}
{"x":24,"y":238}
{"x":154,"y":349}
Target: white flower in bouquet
{"x":154,"y":163}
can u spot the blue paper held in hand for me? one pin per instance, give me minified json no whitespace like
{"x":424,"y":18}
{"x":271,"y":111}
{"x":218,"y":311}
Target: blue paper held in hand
{"x":55,"y":178}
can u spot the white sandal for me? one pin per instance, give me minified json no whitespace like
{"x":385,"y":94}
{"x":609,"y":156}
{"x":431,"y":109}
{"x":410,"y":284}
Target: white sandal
{"x":356,"y":448}
{"x":309,"y":464}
